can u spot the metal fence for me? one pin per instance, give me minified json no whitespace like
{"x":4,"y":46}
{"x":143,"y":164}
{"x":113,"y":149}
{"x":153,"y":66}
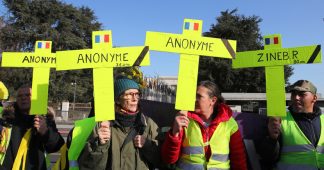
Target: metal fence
{"x":152,"y":95}
{"x":75,"y":111}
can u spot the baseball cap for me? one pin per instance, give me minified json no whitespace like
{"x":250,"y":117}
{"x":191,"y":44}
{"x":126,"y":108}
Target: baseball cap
{"x":303,"y":85}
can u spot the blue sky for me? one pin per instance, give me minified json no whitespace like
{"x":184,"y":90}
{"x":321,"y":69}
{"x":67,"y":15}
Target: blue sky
{"x":299,"y":22}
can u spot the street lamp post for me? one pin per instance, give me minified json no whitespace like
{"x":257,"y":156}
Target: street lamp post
{"x":74,"y":84}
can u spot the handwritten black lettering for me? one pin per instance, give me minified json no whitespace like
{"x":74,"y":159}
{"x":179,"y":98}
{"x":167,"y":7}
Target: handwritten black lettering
{"x":260,"y":56}
{"x":278,"y":56}
{"x":189,"y":44}
{"x":102,"y":57}
{"x":38,"y":59}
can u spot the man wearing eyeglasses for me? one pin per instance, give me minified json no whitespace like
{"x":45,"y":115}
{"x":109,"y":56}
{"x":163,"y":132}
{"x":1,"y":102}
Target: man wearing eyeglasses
{"x":297,"y":140}
{"x":129,"y":141}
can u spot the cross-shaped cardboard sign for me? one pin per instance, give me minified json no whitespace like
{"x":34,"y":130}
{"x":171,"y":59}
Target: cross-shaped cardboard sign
{"x":190,"y":45}
{"x":273,"y":57}
{"x":102,"y":58}
{"x":41,"y":61}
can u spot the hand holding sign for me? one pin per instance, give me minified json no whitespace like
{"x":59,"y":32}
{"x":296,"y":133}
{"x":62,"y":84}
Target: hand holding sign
{"x":104,"y":132}
{"x":274,"y":127}
{"x":180,"y":121}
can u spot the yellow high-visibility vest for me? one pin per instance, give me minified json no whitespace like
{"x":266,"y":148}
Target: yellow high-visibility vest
{"x":4,"y":143}
{"x":60,"y":164}
{"x":297,"y":151}
{"x":81,"y":132}
{"x":193,"y":153}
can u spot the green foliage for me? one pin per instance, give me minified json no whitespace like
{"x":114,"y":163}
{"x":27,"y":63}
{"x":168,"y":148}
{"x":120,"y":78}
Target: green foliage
{"x":245,"y":30}
{"x":66,"y":26}
{"x":131,"y":72}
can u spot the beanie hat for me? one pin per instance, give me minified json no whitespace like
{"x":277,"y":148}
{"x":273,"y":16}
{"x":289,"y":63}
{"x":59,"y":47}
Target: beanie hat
{"x":123,"y":84}
{"x":303,"y":85}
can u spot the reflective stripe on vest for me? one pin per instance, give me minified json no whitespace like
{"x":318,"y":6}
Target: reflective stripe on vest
{"x":193,"y":150}
{"x":297,"y":150}
{"x":320,"y":149}
{"x":81,"y":132}
{"x":185,"y":165}
{"x":295,"y":167}
{"x":188,"y":166}
{"x":193,"y":153}
{"x":220,"y":157}
{"x":73,"y":164}
{"x":4,"y":142}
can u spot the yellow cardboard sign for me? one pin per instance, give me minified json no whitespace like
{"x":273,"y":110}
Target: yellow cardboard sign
{"x":16,"y":59}
{"x":278,"y":56}
{"x":41,"y":61}
{"x":190,"y":45}
{"x":102,"y":58}
{"x":188,"y":70}
{"x":39,"y":95}
{"x":194,"y":45}
{"x":113,"y":57}
{"x":103,"y":83}
{"x":42,"y":57}
{"x":187,"y":82}
{"x":275,"y":80}
{"x":275,"y":90}
{"x":273,"y":58}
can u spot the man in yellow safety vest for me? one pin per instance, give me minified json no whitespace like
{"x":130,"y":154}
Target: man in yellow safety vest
{"x":297,"y":140}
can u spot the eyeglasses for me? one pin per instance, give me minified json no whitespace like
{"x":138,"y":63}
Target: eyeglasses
{"x":136,"y":95}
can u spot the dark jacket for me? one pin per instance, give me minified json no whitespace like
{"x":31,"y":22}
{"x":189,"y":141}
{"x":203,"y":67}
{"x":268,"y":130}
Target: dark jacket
{"x":49,"y":143}
{"x":309,"y":124}
{"x":115,"y":156}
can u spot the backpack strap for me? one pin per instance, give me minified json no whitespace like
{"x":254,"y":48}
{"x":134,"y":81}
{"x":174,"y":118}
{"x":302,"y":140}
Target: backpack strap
{"x":138,"y":129}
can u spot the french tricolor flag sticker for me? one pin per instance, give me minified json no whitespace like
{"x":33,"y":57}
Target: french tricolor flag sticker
{"x":191,"y":26}
{"x":102,"y":38}
{"x":44,"y":45}
{"x":273,"y":40}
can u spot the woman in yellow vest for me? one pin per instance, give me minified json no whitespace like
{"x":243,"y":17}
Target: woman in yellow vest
{"x":207,"y":138}
{"x":297,"y":140}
